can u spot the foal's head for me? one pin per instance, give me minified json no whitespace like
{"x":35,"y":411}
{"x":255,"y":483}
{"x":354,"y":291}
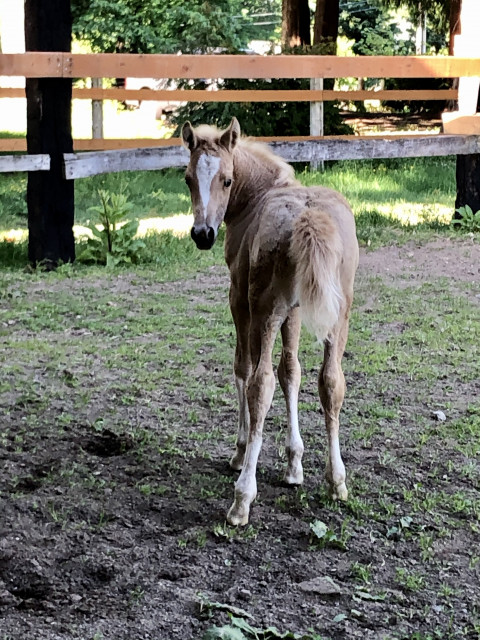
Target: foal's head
{"x":209,"y":177}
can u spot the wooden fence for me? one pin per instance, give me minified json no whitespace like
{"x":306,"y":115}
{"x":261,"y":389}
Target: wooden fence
{"x":75,"y":66}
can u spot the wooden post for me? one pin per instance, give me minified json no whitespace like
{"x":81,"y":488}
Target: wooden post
{"x":97,"y":111}
{"x":316,"y":121}
{"x":50,"y":198}
{"x":468,"y":166}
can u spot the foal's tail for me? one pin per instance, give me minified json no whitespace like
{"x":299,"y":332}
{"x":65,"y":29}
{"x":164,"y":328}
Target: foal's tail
{"x":317,"y":249}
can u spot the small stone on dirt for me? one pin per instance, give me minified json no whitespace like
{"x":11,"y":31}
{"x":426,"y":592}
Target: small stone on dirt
{"x":8,"y":599}
{"x":439,"y":415}
{"x":323,"y":585}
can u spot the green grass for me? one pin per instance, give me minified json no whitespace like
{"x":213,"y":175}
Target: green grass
{"x":146,"y":353}
{"x":392,"y":200}
{"x":88,"y":350}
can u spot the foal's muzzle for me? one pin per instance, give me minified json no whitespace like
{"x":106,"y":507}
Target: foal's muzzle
{"x":204,"y":238}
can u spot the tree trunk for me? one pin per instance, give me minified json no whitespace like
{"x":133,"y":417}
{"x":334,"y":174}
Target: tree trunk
{"x":295,"y":23}
{"x":325,"y":29}
{"x":50,"y":198}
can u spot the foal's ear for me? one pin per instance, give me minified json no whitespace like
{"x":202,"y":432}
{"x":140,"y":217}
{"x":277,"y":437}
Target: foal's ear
{"x":188,"y":136}
{"x":230,"y":136}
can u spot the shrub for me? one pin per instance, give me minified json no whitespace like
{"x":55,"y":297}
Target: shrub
{"x":114,"y":243}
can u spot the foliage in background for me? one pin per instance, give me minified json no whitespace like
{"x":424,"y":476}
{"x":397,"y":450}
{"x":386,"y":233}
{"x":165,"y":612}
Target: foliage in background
{"x":115,"y":242}
{"x":437,"y":11}
{"x":161,"y":26}
{"x":261,"y":118}
{"x":373,"y":29}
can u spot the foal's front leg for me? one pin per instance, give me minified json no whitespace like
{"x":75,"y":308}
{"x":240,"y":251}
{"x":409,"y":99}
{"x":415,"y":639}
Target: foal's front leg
{"x":242,"y":369}
{"x":260,"y":388}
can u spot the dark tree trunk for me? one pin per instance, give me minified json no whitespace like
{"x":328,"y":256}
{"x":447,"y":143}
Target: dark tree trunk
{"x":325,"y":29}
{"x":468,"y":182}
{"x":295,"y":23}
{"x":468,"y":167}
{"x":50,"y":198}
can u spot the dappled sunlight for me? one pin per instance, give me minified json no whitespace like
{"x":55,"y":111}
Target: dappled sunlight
{"x":179,"y":225}
{"x":413,"y":213}
{"x":13,"y":235}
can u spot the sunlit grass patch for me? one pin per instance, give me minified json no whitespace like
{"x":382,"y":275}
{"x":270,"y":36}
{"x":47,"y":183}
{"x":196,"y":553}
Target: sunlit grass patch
{"x":415,"y":213}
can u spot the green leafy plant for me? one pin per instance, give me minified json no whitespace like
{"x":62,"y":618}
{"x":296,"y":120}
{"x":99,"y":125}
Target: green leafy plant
{"x":322,"y":536}
{"x":240,"y":629}
{"x":115,"y":242}
{"x":468,"y":221}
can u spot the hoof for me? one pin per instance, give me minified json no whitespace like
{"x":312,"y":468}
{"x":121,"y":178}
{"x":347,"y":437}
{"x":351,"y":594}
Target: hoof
{"x":236,"y":461}
{"x":339,"y":492}
{"x":293,"y":477}
{"x":237,"y":517}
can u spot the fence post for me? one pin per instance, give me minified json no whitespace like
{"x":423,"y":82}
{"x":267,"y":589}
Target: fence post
{"x":97,"y":111}
{"x":50,"y":198}
{"x":468,"y":166}
{"x":316,"y":121}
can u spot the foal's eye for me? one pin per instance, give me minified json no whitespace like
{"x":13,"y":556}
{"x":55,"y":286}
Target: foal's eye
{"x":227,"y":182}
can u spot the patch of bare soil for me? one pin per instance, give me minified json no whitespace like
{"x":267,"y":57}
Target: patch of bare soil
{"x":107,"y":534}
{"x":442,"y":258}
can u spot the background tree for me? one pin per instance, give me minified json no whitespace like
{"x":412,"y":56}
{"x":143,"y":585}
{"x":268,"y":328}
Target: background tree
{"x":161,"y":26}
{"x":270,"y":119}
{"x":373,"y":29}
{"x":442,"y":15}
{"x":265,"y":18}
{"x":325,"y":29}
{"x":295,"y":23}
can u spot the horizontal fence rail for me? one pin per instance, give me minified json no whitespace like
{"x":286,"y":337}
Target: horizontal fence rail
{"x":249,"y":95}
{"x":118,"y":65}
{"x":301,"y":150}
{"x":9,"y":164}
{"x":75,"y":66}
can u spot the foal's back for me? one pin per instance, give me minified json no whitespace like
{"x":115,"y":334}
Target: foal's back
{"x":263,"y":247}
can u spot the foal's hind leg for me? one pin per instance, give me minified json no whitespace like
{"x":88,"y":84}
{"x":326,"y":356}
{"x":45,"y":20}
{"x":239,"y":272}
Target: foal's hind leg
{"x":289,"y":375}
{"x":331,"y":387}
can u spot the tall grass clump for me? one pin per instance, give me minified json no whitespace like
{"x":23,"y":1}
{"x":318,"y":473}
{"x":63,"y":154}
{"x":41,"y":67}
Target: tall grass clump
{"x":13,"y":255}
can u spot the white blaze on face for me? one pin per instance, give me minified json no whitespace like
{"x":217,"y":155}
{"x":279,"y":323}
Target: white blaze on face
{"x":207,"y":169}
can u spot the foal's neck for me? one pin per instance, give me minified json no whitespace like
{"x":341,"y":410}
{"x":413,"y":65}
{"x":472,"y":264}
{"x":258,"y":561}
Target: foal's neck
{"x":254,"y":175}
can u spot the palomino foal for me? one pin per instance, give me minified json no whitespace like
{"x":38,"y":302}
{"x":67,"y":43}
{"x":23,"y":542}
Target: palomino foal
{"x":292,"y":254}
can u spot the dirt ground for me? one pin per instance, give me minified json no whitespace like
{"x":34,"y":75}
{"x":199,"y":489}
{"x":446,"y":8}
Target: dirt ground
{"x":107,"y":532}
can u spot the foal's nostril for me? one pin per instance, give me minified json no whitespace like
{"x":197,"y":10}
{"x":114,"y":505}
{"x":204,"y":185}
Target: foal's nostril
{"x":193,"y":233}
{"x":211,"y":235}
